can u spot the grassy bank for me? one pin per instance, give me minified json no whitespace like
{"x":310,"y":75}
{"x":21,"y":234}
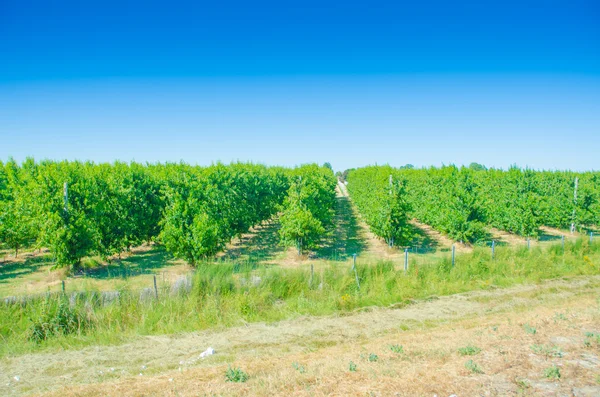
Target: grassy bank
{"x":230,"y":294}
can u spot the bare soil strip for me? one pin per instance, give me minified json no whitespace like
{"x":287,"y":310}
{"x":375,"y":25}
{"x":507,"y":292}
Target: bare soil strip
{"x":560,"y":311}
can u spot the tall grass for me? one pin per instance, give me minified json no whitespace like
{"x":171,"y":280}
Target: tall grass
{"x":229,"y":294}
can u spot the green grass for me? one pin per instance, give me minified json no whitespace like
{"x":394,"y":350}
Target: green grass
{"x":235,"y":375}
{"x":473,"y":367}
{"x":469,"y":351}
{"x":228,"y":294}
{"x":552,"y":372}
{"x":548,"y":351}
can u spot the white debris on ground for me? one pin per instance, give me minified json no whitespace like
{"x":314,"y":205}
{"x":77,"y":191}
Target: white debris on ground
{"x":16,"y":378}
{"x":208,"y":352}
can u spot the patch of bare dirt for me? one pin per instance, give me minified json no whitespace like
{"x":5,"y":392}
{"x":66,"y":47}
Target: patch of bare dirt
{"x":440,"y":240}
{"x":509,"y":238}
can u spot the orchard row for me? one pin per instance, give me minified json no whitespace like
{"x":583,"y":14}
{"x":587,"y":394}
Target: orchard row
{"x":81,"y":209}
{"x":463,"y":202}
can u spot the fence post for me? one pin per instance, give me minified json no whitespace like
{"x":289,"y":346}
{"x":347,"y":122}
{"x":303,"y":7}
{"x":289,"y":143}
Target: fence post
{"x":562,"y":241}
{"x":528,"y":243}
{"x":63,"y":287}
{"x":312,"y":274}
{"x":406,"y":259}
{"x":453,"y":254}
{"x":155,"y":288}
{"x":356,"y":273}
{"x":493,"y":248}
{"x":353,"y":261}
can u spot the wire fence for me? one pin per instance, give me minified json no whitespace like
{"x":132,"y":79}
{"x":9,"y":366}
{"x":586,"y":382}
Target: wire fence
{"x":160,"y":287}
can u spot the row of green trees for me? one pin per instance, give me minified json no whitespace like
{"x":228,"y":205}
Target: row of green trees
{"x":78,"y":209}
{"x":307,"y":211}
{"x":382,"y":200}
{"x":461,"y":202}
{"x":209,"y":207}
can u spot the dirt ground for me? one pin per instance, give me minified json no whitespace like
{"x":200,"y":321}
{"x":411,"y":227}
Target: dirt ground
{"x":521,"y":331}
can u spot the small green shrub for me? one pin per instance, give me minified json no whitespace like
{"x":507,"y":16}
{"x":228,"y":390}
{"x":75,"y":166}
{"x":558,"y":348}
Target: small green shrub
{"x":397,"y":349}
{"x":473,"y":367}
{"x":592,"y":338}
{"x":552,"y":372}
{"x":548,"y":351}
{"x":352,"y":366}
{"x":529,"y":329}
{"x":469,"y":351}
{"x":298,"y":367}
{"x":373,"y":357}
{"x":235,"y":375}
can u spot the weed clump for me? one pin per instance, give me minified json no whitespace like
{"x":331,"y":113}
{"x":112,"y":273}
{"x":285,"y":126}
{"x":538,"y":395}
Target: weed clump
{"x":352,"y":366}
{"x":591,"y":339}
{"x":473,"y":367}
{"x":469,"y":351}
{"x":398,"y":349}
{"x":552,"y":372}
{"x":235,"y":375}
{"x":61,"y":319}
{"x":298,"y":367}
{"x":548,"y":351}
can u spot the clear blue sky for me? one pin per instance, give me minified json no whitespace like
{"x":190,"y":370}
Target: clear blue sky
{"x":352,"y":83}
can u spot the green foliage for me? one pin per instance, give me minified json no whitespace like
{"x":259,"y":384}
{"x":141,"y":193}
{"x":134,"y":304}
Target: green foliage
{"x":529,"y":329}
{"x":552,"y":372}
{"x":56,"y":319}
{"x":397,"y":349}
{"x":592,"y":339}
{"x":298,"y":367}
{"x":209,"y":207}
{"x":548,"y":351}
{"x":461,"y":202}
{"x":373,"y":357}
{"x":473,"y":367}
{"x":382,"y":201}
{"x":228,"y":294}
{"x":307,"y":211}
{"x":235,"y":375}
{"x":352,"y":366}
{"x":469,"y":351}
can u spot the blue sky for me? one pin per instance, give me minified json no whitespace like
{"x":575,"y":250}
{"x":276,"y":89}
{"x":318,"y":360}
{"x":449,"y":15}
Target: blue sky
{"x":352,"y":83}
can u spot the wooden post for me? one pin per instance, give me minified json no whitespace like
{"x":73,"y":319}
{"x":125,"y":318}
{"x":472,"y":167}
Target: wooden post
{"x":493,"y":248}
{"x":528,"y":243}
{"x":453,"y":254}
{"x":63,"y":287}
{"x":406,"y":259}
{"x":155,"y":288}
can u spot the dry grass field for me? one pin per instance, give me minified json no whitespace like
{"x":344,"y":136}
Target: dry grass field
{"x":526,"y":340}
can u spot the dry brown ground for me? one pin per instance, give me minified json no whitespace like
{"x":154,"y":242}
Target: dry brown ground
{"x":431,"y":332}
{"x":509,"y":238}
